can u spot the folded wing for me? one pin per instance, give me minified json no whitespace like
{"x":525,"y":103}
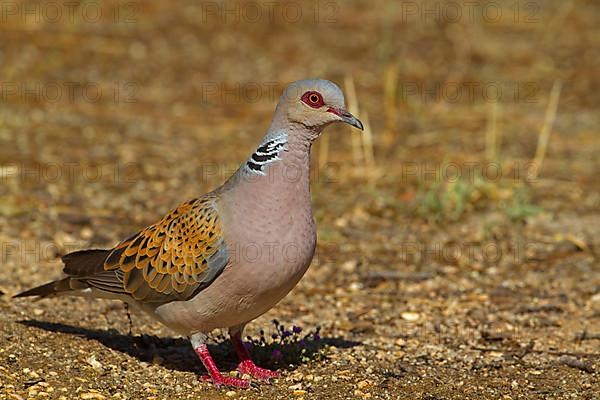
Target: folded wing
{"x":172,"y":259}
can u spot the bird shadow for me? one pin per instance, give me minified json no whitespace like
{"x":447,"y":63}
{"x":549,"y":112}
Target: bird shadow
{"x":177,"y":353}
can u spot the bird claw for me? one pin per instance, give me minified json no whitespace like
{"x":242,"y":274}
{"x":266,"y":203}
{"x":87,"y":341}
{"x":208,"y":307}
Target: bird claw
{"x":248,"y":367}
{"x":222,"y":380}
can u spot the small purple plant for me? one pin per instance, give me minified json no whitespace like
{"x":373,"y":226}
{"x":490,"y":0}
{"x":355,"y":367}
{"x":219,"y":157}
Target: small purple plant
{"x":286,"y":347}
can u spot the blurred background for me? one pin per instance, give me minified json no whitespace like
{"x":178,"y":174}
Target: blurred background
{"x":458,"y":236}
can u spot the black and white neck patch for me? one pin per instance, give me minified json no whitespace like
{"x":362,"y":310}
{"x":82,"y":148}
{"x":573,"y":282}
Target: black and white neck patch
{"x":268,"y":152}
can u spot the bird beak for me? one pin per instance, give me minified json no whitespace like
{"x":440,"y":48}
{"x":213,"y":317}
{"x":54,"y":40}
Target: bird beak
{"x":346,"y":117}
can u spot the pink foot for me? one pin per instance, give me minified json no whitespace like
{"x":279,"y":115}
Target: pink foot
{"x":222,"y":380}
{"x":248,"y":367}
{"x":216,"y":377}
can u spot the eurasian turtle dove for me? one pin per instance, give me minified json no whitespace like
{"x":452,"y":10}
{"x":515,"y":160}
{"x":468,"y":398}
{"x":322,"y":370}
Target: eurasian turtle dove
{"x":227,"y":257}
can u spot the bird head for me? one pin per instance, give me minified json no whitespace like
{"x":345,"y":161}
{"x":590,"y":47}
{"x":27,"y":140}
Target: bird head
{"x":316,"y":104}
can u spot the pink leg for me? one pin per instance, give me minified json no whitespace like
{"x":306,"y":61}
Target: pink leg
{"x":215,"y":376}
{"x":246,"y":365}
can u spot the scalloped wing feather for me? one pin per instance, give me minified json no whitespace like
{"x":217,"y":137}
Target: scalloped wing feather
{"x":174,"y":258}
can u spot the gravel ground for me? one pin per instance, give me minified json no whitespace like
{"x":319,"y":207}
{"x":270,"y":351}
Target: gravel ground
{"x":418,"y":291}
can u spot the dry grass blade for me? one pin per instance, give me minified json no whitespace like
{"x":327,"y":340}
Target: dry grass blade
{"x":493,"y":135}
{"x":542,"y":146}
{"x":367,"y":144}
{"x":352,"y":99}
{"x":390,"y":85}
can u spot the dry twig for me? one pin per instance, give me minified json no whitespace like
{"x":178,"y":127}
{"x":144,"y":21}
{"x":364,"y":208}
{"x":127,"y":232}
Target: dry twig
{"x":575,"y":363}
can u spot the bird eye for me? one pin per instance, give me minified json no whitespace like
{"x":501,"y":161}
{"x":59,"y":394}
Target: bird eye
{"x":313,"y":99}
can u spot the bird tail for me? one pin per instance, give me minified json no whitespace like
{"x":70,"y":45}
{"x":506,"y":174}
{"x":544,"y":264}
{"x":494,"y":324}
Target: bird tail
{"x":78,"y":265}
{"x":49,"y":289}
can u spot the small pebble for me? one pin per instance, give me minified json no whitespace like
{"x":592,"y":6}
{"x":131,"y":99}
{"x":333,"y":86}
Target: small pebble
{"x":410,"y":316}
{"x":363,"y":384}
{"x":91,"y":360}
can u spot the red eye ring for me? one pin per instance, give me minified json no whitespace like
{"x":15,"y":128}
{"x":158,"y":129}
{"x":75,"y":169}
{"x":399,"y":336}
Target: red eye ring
{"x":313,"y":99}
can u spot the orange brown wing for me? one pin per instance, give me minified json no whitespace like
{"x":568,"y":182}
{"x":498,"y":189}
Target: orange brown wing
{"x":170,"y":260}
